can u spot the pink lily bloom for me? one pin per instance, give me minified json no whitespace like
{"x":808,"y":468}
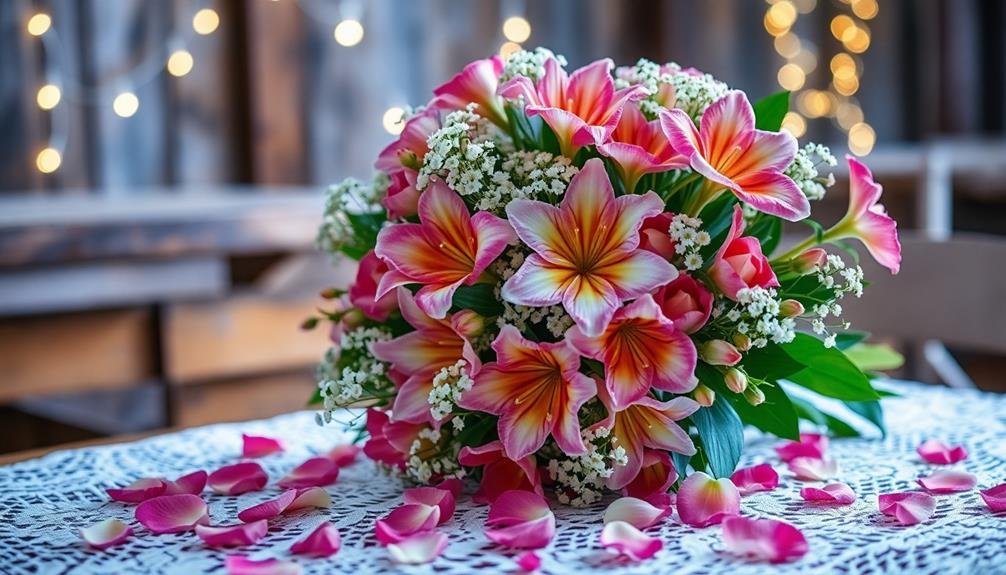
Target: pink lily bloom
{"x":640,"y":349}
{"x":477,"y":83}
{"x":500,"y":473}
{"x":401,"y":160}
{"x":420,"y":354}
{"x":655,"y":477}
{"x":866,"y":219}
{"x":587,"y":254}
{"x":449,"y":248}
{"x":390,"y":441}
{"x":362,"y":290}
{"x":639,"y":147}
{"x":740,"y":263}
{"x":686,"y":302}
{"x":645,"y":424}
{"x":731,"y":153}
{"x":582,"y":108}
{"x":536,"y":389}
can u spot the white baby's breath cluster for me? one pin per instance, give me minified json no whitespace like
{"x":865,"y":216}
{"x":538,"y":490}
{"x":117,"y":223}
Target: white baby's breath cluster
{"x":350,"y":373}
{"x":672,"y":87}
{"x":463,"y":153}
{"x":807,"y":167}
{"x":448,"y":385}
{"x":689,"y":239}
{"x":755,"y":316}
{"x":553,"y":317}
{"x":842,"y":279}
{"x":528,"y":63}
{"x":349,"y":196}
{"x":433,"y":454}
{"x":693,"y":93}
{"x":580,"y":480}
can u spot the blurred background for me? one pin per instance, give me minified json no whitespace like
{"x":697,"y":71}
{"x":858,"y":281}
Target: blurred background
{"x":162,"y":166}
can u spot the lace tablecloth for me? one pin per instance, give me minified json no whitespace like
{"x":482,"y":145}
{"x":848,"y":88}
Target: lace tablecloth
{"x":43,"y":502}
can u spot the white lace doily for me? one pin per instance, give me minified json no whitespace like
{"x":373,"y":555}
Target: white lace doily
{"x":43,"y":502}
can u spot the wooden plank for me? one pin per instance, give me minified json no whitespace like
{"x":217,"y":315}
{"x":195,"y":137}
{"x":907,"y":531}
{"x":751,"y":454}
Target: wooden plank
{"x":74,"y":352}
{"x":245,"y":398}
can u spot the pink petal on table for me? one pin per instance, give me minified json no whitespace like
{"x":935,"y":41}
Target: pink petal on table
{"x":812,"y":469}
{"x":418,"y":548}
{"x":750,"y":480}
{"x":908,"y":508}
{"x":763,"y":539}
{"x":310,"y":497}
{"x":662,"y":500}
{"x":233,"y":535}
{"x":268,"y":509}
{"x":193,"y":484}
{"x":520,"y":519}
{"x":839,"y":493}
{"x":257,"y":446}
{"x":406,"y":521}
{"x":315,"y":472}
{"x":704,"y":501}
{"x":935,"y":451}
{"x":324,"y":541}
{"x":629,"y":541}
{"x":139,"y":490}
{"x":636,"y":512}
{"x":810,"y":445}
{"x":241,"y":565}
{"x":945,"y":481}
{"x":452,"y":484}
{"x":344,"y":455}
{"x":995,"y":497}
{"x":108,"y":533}
{"x":173,"y":513}
{"x":442,"y":498}
{"x":529,"y":562}
{"x":238,"y":478}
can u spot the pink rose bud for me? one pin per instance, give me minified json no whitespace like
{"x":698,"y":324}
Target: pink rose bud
{"x":791,"y":308}
{"x":719,"y":352}
{"x":704,"y":396}
{"x":754,"y":396}
{"x":742,"y":341}
{"x":736,"y":381}
{"x":809,"y":260}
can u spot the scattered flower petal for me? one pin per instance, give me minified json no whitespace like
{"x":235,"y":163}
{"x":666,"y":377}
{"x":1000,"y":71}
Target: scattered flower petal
{"x":520,"y":519}
{"x":529,"y":562}
{"x":315,"y":472}
{"x":908,"y":508}
{"x":452,"y":484}
{"x":813,"y":469}
{"x":810,"y":445}
{"x":636,"y":512}
{"x":750,"y":480}
{"x":238,"y":478}
{"x":241,"y":565}
{"x":108,"y":533}
{"x":344,"y":455}
{"x":406,"y":521}
{"x":173,"y":513}
{"x":138,"y":491}
{"x":442,"y":498}
{"x":239,"y":535}
{"x":945,"y":481}
{"x":324,"y":541}
{"x":839,"y":493}
{"x":935,"y":451}
{"x":418,"y":548}
{"x":627,"y":540}
{"x":704,"y":501}
{"x":995,"y":497}
{"x":268,"y":509}
{"x":763,"y":539}
{"x":310,"y":497}
{"x":258,"y":446}
{"x":193,"y":484}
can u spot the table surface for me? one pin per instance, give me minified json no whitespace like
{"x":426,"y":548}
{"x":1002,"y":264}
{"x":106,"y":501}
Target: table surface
{"x":44,"y":501}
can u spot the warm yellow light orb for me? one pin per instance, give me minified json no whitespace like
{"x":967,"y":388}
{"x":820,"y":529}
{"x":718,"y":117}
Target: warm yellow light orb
{"x":791,"y":77}
{"x":787,"y":45}
{"x":861,"y":139}
{"x":205,"y":21}
{"x":516,"y":29}
{"x":48,"y":96}
{"x":794,"y":124}
{"x":125,"y":104}
{"x":848,"y":114}
{"x":180,"y":63}
{"x":840,"y":26}
{"x":782,"y":14}
{"x":349,"y":32}
{"x":392,"y":120}
{"x":865,"y":9}
{"x":39,"y":24}
{"x":48,"y":160}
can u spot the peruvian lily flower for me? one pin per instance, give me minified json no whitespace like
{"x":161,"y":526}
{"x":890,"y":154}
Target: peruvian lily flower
{"x":939,"y":453}
{"x":995,"y":498}
{"x":363,"y":290}
{"x":582,"y":109}
{"x":419,"y":548}
{"x":240,"y":535}
{"x":945,"y":481}
{"x":866,"y":219}
{"x":420,"y":354}
{"x":812,"y":445}
{"x":258,"y":446}
{"x":640,"y":349}
{"x":500,"y":473}
{"x":763,"y":539}
{"x":586,"y":250}
{"x":625,"y":539}
{"x":536,"y":389}
{"x":521,"y":520}
{"x":740,"y":263}
{"x":401,"y":161}
{"x":390,"y":441}
{"x":838,"y":493}
{"x":639,"y":147}
{"x":173,"y":513}
{"x":647,"y":423}
{"x":447,"y":249}
{"x":655,"y":477}
{"x":750,"y":480}
{"x":704,"y":501}
{"x":108,"y":533}
{"x":324,"y":541}
{"x":908,"y":508}
{"x":636,"y":512}
{"x":732,"y":154}
{"x":477,"y":83}
{"x":241,"y":565}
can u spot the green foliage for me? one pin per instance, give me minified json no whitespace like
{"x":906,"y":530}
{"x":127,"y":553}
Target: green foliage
{"x":479,"y":298}
{"x":770,"y":111}
{"x":776,"y":415}
{"x":836,"y":427}
{"x":828,"y":371}
{"x":871,"y":411}
{"x":722,"y":436}
{"x":768,"y":230}
{"x":771,"y":363}
{"x":847,"y":339}
{"x":365,"y":229}
{"x":874,"y":356}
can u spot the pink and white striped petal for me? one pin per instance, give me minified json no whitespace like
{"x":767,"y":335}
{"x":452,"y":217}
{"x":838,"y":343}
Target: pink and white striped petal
{"x":324,"y":541}
{"x":344,"y":455}
{"x":310,"y":497}
{"x":240,"y":535}
{"x":636,"y":512}
{"x":520,"y":519}
{"x":173,"y":513}
{"x":810,"y":445}
{"x":315,"y":472}
{"x":108,"y":533}
{"x":763,"y":539}
{"x":138,"y":491}
{"x":703,"y":501}
{"x":405,"y":521}
{"x":948,"y":481}
{"x":813,"y":469}
{"x":193,"y":484}
{"x":238,"y":478}
{"x":908,"y":508}
{"x":625,"y":539}
{"x":994,"y":498}
{"x":419,"y":548}
{"x":939,"y":453}
{"x":762,"y":477}
{"x":241,"y":565}
{"x":259,"y":446}
{"x":268,"y":509}
{"x":442,"y":498}
{"x":529,"y":562}
{"x":837,"y":493}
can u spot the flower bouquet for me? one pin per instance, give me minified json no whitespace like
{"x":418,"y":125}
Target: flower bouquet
{"x":572,"y":282}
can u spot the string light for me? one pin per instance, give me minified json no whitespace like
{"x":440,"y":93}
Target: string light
{"x":794,"y":123}
{"x":180,"y":63}
{"x":125,"y":104}
{"x":48,"y":96}
{"x":861,"y":139}
{"x":39,"y":24}
{"x":516,"y":29}
{"x":865,"y":9}
{"x":509,"y":49}
{"x":205,"y":21}
{"x":392,"y":120}
{"x":48,"y":160}
{"x":791,"y":77}
{"x":349,"y":32}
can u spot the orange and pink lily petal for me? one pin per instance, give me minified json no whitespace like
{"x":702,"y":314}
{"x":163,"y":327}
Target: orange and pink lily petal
{"x":639,"y":147}
{"x":500,"y":473}
{"x":476,"y":83}
{"x":866,"y":219}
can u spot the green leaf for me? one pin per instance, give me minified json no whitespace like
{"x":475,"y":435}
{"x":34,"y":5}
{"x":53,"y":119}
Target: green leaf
{"x":836,"y":426}
{"x":828,"y":371}
{"x":874,"y":356}
{"x":365,"y":228}
{"x":771,"y":363}
{"x":871,"y":411}
{"x":475,"y":432}
{"x":478,"y":298}
{"x":818,"y":229}
{"x":722,"y":436}
{"x":770,"y":111}
{"x":680,"y":463}
{"x":776,"y":415}
{"x":847,"y":339}
{"x":315,"y":397}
